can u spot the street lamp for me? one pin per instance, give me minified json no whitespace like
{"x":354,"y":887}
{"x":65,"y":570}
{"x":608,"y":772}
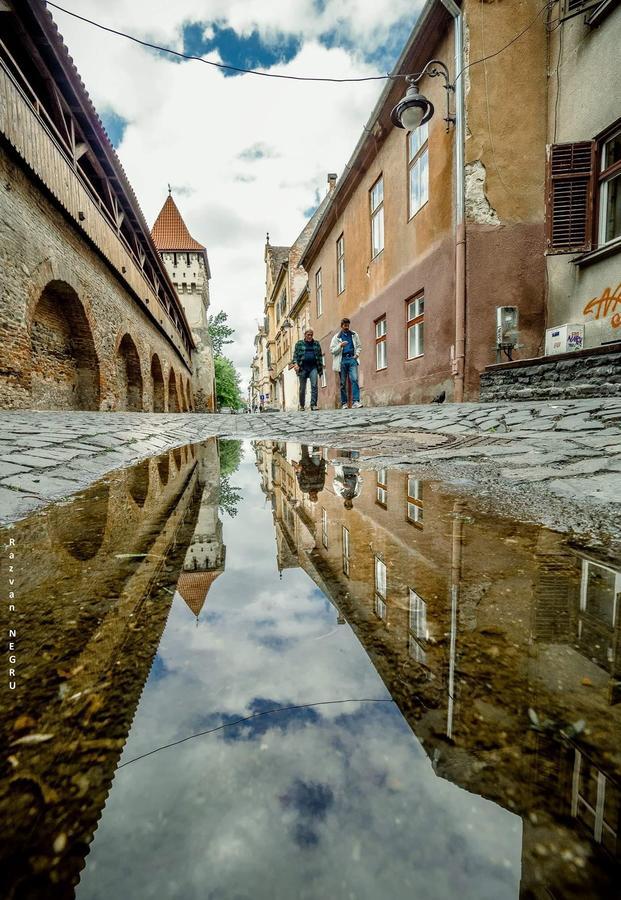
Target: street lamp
{"x":415,"y":109}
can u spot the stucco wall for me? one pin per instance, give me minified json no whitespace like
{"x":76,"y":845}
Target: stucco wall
{"x":584,"y":99}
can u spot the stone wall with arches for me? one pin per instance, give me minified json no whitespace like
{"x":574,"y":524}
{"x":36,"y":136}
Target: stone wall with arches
{"x":72,"y":335}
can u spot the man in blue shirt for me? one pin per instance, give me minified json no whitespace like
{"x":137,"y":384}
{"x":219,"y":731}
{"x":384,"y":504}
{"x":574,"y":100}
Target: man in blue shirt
{"x":345,"y":348}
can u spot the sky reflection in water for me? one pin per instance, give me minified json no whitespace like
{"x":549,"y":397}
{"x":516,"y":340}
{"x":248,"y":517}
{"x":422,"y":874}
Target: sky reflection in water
{"x":330,"y":801}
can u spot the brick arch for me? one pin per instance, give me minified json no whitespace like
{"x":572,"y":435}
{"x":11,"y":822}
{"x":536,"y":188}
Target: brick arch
{"x":157,"y":379}
{"x":163,"y":468}
{"x":82,"y":538}
{"x":173,"y":396}
{"x":129,"y":386}
{"x":138,"y":483}
{"x":188,"y":393}
{"x":64,"y":371}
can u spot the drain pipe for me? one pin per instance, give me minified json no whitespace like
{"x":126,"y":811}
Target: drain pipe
{"x":459,"y":349}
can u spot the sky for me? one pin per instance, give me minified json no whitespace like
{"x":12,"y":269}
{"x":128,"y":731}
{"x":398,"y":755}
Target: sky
{"x":245,"y":155}
{"x":330,"y":801}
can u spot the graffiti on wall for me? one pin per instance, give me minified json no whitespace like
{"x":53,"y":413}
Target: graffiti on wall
{"x":607,"y":304}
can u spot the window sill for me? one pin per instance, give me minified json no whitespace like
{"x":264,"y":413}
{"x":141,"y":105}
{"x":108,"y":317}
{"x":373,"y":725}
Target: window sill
{"x":414,"y":214}
{"x":383,"y":369}
{"x":412,"y":358}
{"x":377,"y":255}
{"x":593,"y":256}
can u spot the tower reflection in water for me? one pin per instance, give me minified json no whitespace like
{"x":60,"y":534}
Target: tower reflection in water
{"x":94,"y":582}
{"x":499,"y":642}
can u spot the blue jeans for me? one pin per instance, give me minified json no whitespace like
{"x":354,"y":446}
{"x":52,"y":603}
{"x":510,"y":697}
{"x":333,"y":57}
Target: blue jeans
{"x":303,"y":376}
{"x":349,"y":366}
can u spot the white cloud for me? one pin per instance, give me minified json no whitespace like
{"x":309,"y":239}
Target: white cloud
{"x":189,"y":125}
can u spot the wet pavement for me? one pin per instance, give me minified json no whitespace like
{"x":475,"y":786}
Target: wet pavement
{"x":269,"y":671}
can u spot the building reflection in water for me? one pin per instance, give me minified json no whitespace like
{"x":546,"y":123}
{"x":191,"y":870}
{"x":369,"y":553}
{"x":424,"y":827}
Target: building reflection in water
{"x":498,"y":641}
{"x":94,"y":582}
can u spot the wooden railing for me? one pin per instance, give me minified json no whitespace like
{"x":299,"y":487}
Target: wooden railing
{"x":34,"y":136}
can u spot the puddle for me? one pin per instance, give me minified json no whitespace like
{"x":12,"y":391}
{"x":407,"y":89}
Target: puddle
{"x":260,"y":671}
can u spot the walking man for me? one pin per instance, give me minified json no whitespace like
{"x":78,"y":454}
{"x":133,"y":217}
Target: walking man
{"x":345,"y":349}
{"x":308,"y":364}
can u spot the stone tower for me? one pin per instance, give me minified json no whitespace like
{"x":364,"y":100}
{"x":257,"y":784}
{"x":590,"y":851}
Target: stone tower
{"x":188,"y":266}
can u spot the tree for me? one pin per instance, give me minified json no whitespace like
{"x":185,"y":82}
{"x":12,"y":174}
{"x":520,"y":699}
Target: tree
{"x":231,"y":453}
{"x":219,"y":332}
{"x":228,"y":386}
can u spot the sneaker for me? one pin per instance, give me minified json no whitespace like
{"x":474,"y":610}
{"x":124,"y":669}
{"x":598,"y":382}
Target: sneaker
{"x":313,"y":409}
{"x":301,"y":408}
{"x":344,"y":406}
{"x":356,"y":405}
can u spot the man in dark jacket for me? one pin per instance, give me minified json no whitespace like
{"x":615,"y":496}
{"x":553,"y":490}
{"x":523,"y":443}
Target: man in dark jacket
{"x":308,"y":363}
{"x":311,"y":472}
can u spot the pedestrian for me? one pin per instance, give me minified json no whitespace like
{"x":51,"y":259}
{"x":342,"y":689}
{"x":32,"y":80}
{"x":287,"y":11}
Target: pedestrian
{"x":311,"y":472}
{"x":345,"y":349}
{"x":347,"y":483}
{"x":308,"y":364}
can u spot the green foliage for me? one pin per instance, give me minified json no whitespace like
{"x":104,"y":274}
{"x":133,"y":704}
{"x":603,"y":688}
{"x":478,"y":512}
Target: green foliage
{"x":231,"y":453}
{"x":228,"y":387}
{"x":219,"y":332}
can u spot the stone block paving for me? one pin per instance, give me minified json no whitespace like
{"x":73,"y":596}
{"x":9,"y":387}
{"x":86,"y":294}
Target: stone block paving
{"x":569,"y":450}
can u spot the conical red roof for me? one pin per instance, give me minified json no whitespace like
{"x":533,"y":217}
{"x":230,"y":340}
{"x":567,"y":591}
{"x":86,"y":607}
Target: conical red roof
{"x":170,"y":231}
{"x":194,"y":587}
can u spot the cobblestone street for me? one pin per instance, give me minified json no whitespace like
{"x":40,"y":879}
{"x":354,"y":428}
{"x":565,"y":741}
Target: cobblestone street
{"x":558,"y":463}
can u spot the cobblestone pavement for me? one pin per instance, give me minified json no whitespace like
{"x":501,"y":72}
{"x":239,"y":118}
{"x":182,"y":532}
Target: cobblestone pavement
{"x":557,"y":462}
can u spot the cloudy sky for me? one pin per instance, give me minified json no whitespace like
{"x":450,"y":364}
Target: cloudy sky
{"x":245,"y":155}
{"x":330,"y":801}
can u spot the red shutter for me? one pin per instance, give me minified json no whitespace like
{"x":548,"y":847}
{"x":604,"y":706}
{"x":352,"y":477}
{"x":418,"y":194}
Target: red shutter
{"x":569,"y":197}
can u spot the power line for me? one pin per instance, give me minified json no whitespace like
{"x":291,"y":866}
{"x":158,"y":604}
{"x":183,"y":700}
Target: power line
{"x":210,"y":62}
{"x":217,"y":65}
{"x":265,"y":712}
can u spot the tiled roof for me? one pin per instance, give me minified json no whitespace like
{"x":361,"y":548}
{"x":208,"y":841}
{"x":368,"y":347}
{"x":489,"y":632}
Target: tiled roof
{"x":277,"y":256}
{"x":194,"y":587}
{"x":170,"y":231}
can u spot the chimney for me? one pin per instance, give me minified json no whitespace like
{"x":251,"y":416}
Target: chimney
{"x":332,"y":176}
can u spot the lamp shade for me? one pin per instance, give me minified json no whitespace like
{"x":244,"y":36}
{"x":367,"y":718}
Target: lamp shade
{"x":412,"y":110}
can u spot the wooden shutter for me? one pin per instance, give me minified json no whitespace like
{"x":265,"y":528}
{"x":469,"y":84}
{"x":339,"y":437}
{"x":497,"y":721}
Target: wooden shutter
{"x":569,"y":197}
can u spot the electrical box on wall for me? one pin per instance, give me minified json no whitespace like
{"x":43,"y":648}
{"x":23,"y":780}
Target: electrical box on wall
{"x":564,"y":339}
{"x":507,"y":318}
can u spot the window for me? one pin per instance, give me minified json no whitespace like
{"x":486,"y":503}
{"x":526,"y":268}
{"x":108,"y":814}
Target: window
{"x":340,"y":264}
{"x":377,"y":217}
{"x":323,"y":378}
{"x":418,"y":616}
{"x":415,"y":327}
{"x":381,"y":488}
{"x":610,"y":188}
{"x":346,"y":550}
{"x":380,"y":344}
{"x":278,"y":348}
{"x":418,"y":168}
{"x":414,"y":501}
{"x":318,"y":292}
{"x":379,"y":604}
{"x":324,"y":528}
{"x":569,"y":197}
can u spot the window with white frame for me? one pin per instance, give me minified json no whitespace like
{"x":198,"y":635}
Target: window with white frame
{"x":418,"y":168}
{"x":340,"y":264}
{"x":346,"y":550}
{"x":380,"y":589}
{"x":324,"y":528}
{"x":418,"y":616}
{"x":415,"y":326}
{"x":610,"y":188}
{"x":381,"y":487}
{"x":377,"y":216}
{"x":323,"y":378}
{"x":318,"y":292}
{"x":414,"y":501}
{"x":416,"y":651}
{"x":381,"y":361}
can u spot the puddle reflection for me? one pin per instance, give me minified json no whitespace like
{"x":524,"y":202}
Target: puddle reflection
{"x":181,"y":628}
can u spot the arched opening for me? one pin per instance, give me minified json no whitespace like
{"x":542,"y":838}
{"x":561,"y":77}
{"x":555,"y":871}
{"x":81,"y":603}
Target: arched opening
{"x":82,"y":535}
{"x":159,"y":404}
{"x":163,"y":467}
{"x":173,"y":398}
{"x":139,"y":483}
{"x":65,"y":371}
{"x":188,"y":393}
{"x":128,"y":376}
{"x":177,"y":456}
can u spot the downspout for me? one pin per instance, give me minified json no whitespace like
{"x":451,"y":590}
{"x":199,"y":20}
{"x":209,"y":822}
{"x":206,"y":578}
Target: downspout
{"x":459,"y":352}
